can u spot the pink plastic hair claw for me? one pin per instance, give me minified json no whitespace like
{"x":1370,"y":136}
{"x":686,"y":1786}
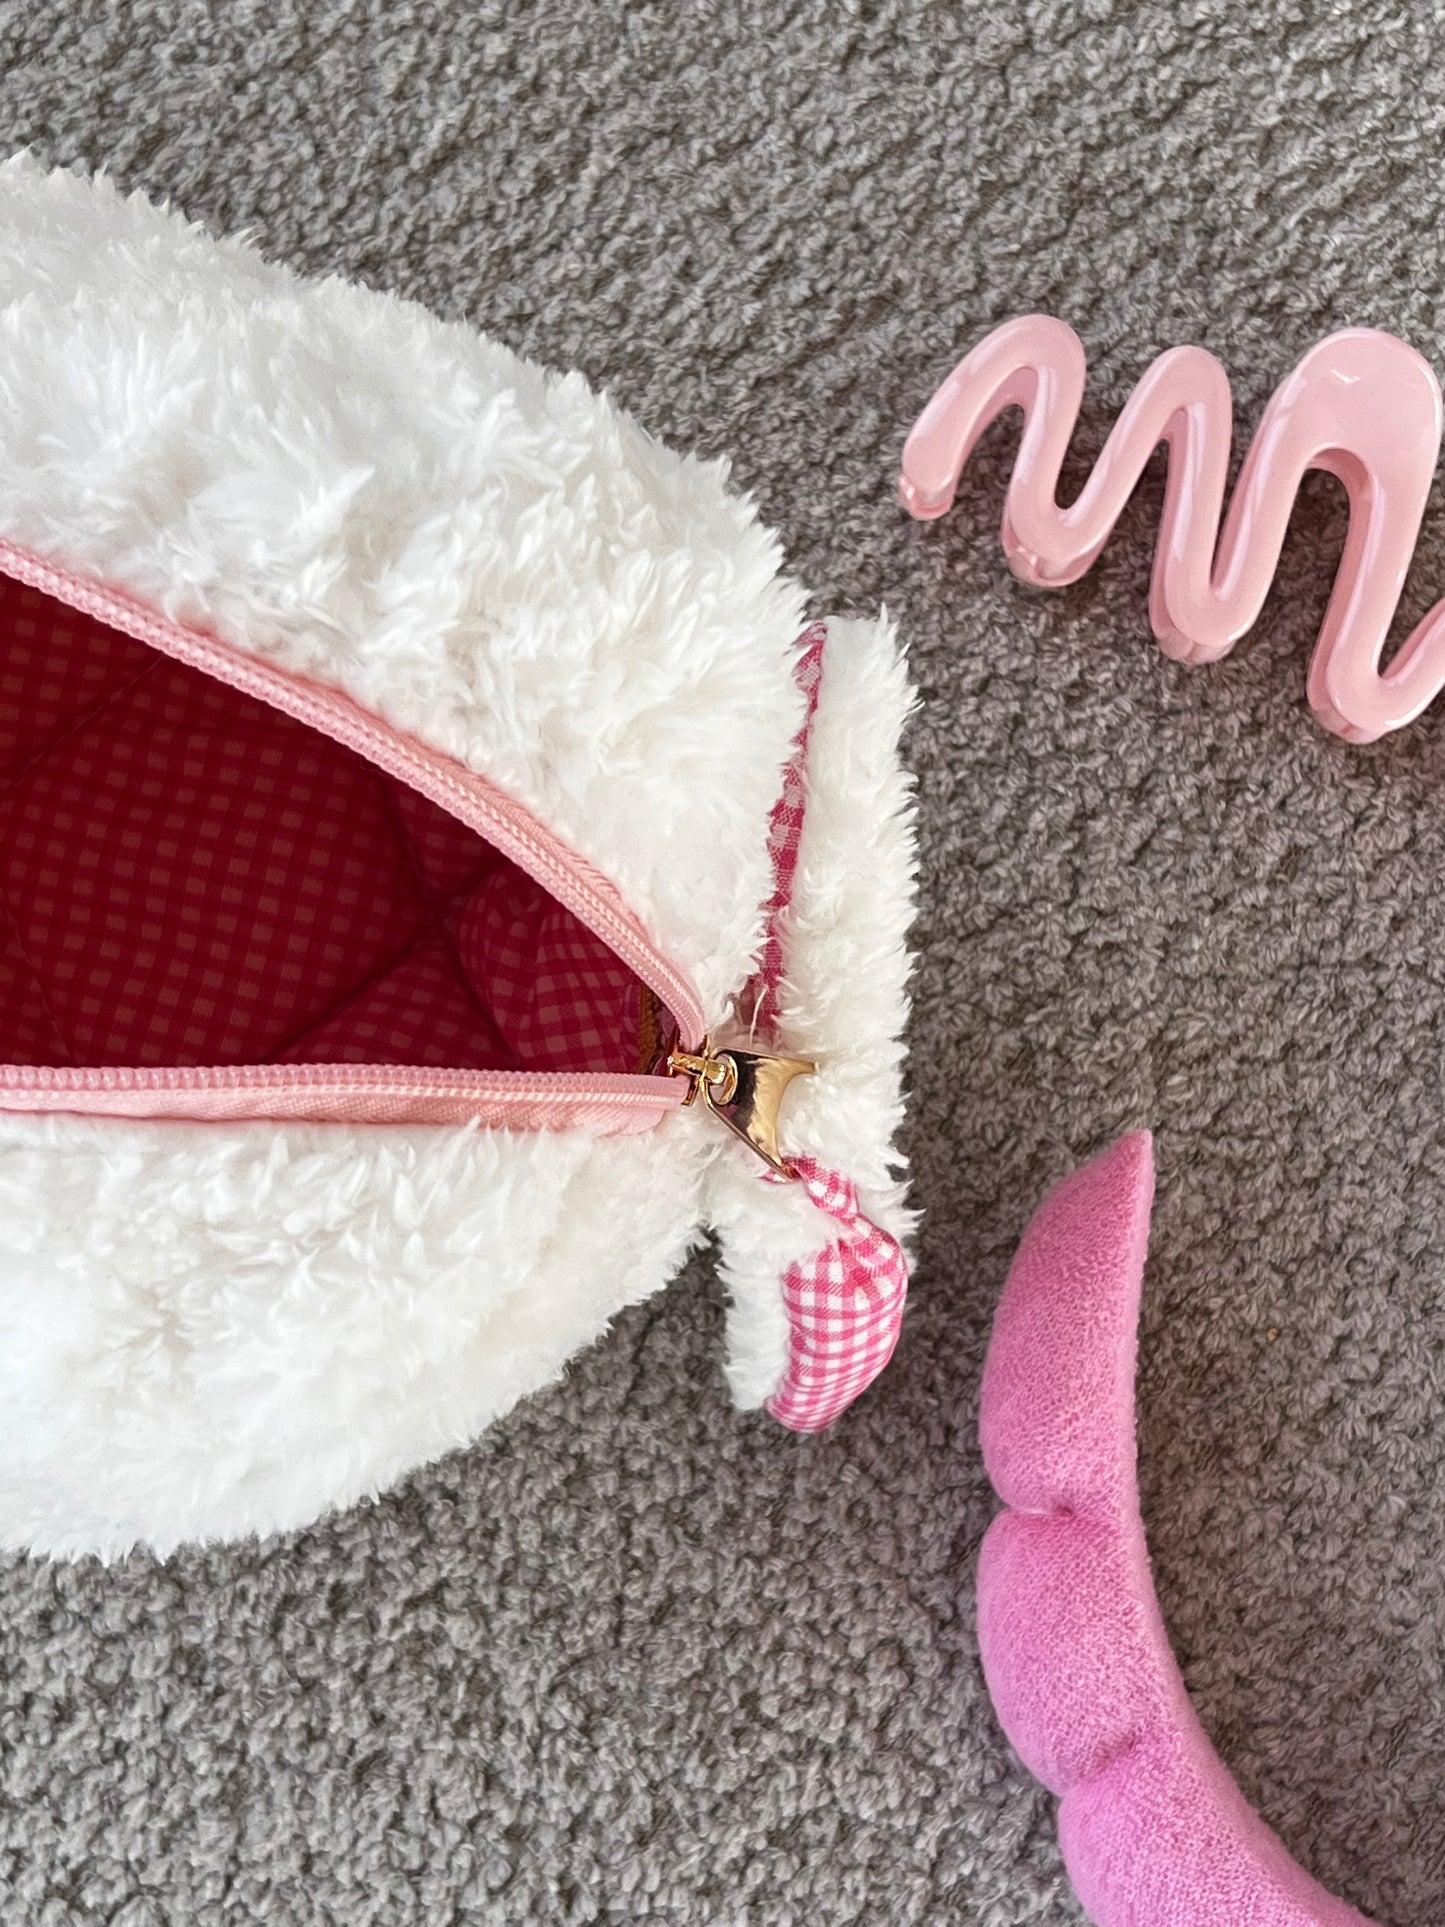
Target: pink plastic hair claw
{"x":1362,"y":406}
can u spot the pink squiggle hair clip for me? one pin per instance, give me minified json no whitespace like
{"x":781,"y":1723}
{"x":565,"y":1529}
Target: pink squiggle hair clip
{"x":1362,"y":406}
{"x":1154,"y":1831}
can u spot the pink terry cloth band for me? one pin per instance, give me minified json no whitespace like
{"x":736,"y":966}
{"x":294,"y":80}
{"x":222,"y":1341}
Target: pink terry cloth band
{"x":1154,"y":1831}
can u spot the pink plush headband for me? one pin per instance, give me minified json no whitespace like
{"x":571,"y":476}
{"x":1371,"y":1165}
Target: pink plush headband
{"x":1154,"y":1831}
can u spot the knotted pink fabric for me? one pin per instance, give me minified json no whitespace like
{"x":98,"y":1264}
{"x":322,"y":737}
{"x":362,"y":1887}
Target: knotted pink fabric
{"x":845,"y":1307}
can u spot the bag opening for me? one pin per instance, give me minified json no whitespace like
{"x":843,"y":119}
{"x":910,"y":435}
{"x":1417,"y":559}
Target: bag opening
{"x":190,"y":876}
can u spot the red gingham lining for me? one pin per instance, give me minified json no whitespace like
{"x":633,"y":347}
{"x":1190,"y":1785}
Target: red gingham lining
{"x":546,"y":975}
{"x":189,"y":877}
{"x":845,"y":1304}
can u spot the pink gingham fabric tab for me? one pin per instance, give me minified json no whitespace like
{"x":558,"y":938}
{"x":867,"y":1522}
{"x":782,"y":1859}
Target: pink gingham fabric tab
{"x":845,"y":1307}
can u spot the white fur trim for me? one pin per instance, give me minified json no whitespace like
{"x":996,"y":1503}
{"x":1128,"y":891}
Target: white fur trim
{"x":844,"y":998}
{"x":487,"y":555}
{"x":226,"y":1329}
{"x":208,"y":1330}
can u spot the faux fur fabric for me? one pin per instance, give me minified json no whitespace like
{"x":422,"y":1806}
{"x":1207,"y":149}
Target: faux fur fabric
{"x":214,"y":1330}
{"x":484,"y":553}
{"x":633,"y":1656}
{"x":209,"y":1329}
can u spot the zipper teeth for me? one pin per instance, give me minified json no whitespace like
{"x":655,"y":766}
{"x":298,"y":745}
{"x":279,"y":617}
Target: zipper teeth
{"x":463,"y":793}
{"x":357,"y":1080}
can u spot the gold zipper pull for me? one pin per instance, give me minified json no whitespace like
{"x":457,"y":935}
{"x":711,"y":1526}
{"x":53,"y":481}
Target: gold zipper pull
{"x":745,"y":1089}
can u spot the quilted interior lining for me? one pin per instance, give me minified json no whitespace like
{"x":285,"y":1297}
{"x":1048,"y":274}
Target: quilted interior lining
{"x":188,"y":877}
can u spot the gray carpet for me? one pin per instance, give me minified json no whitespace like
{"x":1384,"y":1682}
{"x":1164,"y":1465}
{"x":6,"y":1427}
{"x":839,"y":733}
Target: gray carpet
{"x":635,"y":1658}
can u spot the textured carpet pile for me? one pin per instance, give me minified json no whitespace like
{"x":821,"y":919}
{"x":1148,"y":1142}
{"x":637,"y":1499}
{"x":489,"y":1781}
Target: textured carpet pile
{"x":634,"y":1657}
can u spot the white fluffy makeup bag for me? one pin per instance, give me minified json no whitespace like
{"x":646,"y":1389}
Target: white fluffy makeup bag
{"x":425,"y":822}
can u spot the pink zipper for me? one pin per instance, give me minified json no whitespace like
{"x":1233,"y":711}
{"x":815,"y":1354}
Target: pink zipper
{"x":352,"y":1094}
{"x":369,"y":1093}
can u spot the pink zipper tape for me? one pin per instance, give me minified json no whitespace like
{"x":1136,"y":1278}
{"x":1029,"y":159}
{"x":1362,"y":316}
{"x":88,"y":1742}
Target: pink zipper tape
{"x":352,"y":1094}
